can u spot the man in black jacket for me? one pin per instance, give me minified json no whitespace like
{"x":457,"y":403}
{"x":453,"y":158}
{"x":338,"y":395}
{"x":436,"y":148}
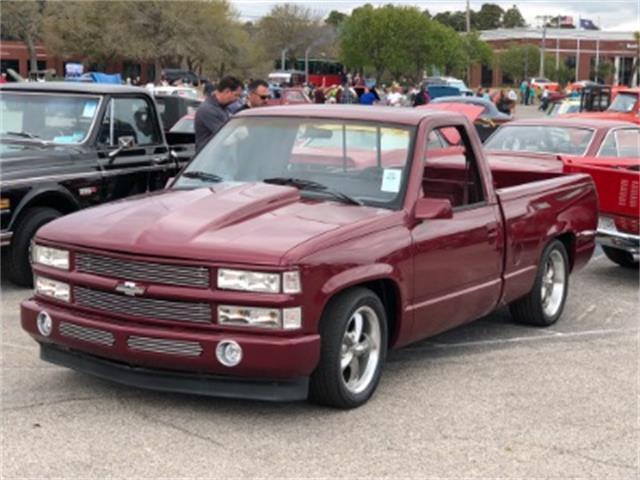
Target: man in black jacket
{"x":212,"y":114}
{"x":258,"y":96}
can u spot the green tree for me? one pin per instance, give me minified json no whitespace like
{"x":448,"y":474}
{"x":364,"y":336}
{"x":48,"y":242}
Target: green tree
{"x":603,"y":72}
{"x":23,"y":21}
{"x":287,"y":26}
{"x":519,"y":61}
{"x":335,"y":18}
{"x":455,"y":20}
{"x":489,"y":17}
{"x":512,"y":18}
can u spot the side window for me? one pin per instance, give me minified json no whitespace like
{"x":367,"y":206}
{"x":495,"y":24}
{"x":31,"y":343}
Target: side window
{"x":623,"y":142}
{"x":128,"y":117}
{"x":628,"y":141}
{"x":294,"y":96}
{"x":452,"y":172}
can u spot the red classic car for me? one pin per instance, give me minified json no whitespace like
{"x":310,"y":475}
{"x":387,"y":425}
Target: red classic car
{"x":298,"y":246}
{"x":608,"y":150}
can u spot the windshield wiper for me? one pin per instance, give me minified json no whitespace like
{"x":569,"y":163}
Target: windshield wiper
{"x":200,"y":175}
{"x":30,"y":136}
{"x":310,"y":185}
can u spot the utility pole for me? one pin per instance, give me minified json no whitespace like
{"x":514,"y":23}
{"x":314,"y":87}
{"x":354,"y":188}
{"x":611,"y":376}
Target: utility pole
{"x":544,"y":19}
{"x":468,"y":39}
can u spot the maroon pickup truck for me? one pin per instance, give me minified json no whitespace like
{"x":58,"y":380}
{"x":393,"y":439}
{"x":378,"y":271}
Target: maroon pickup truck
{"x":298,"y":247}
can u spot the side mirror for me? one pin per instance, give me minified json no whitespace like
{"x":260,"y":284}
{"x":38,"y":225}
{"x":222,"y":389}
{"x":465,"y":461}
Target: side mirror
{"x":433,"y":209}
{"x":124,"y":143}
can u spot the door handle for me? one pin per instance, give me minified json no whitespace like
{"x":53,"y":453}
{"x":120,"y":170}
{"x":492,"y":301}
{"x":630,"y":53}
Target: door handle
{"x":492,"y":231}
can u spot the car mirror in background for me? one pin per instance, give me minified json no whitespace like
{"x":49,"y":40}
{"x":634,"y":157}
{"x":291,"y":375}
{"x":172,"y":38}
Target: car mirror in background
{"x":433,"y":209}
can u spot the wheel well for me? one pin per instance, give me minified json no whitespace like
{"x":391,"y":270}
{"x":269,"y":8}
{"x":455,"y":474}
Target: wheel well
{"x":569,"y":241}
{"x":53,"y":200}
{"x":389,"y":294}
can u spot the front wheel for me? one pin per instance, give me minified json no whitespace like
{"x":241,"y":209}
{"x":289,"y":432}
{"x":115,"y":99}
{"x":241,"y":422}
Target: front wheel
{"x":544,"y":304}
{"x":18,"y":264}
{"x":353,"y":332}
{"x":621,"y":257}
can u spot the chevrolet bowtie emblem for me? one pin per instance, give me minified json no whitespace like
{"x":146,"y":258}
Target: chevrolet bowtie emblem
{"x":130,"y":288}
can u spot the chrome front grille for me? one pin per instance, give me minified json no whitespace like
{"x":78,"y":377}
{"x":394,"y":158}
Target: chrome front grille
{"x":86,"y":334}
{"x":165,"y":346}
{"x":179,"y":275}
{"x":142,"y":307}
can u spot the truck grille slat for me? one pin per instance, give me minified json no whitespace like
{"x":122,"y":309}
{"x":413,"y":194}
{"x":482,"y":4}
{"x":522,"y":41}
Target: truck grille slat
{"x":86,"y":334}
{"x":152,"y":308}
{"x":165,"y":346}
{"x":150,"y":272}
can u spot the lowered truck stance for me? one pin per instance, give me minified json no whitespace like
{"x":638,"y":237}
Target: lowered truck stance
{"x":297,"y":248}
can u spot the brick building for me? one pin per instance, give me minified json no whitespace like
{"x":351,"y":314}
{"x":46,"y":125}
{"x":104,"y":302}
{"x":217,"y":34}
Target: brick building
{"x":14,"y":55}
{"x":576,"y":49}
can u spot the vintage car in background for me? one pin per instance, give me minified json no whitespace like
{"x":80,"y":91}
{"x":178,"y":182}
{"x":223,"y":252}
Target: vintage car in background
{"x":298,"y":246}
{"x":287,"y":96}
{"x":617,"y":180}
{"x":564,"y":106}
{"x":172,"y":108}
{"x":608,"y":150}
{"x":68,"y":145}
{"x":541,"y":83}
{"x":487,"y":119}
{"x":625,"y":106}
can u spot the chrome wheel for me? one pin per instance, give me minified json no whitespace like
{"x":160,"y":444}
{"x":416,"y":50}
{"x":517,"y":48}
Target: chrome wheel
{"x":360,"y":349}
{"x":553,"y":284}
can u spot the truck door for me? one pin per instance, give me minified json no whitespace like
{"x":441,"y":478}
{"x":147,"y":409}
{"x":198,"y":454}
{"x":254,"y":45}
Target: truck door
{"x":145,"y":166}
{"x":457,"y":261}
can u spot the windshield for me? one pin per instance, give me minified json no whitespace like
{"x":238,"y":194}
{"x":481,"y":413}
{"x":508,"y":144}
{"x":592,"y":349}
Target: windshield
{"x":541,"y":139}
{"x":50,"y":117}
{"x":364,"y":161}
{"x":624,"y":102}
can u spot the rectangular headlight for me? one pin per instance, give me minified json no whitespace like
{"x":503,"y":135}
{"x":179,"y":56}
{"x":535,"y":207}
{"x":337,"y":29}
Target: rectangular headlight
{"x":287,"y":319}
{"x":51,"y":257}
{"x":249,"y":316}
{"x":248,"y":281}
{"x":52,"y":288}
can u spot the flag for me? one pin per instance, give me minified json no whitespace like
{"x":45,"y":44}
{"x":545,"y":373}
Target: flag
{"x":588,"y":24}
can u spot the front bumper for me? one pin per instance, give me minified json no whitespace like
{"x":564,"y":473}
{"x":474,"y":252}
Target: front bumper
{"x":168,"y":381}
{"x":174,"y":359}
{"x":619,"y":240}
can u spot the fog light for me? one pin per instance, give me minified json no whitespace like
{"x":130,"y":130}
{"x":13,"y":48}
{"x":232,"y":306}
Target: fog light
{"x":229,"y":353}
{"x":45,"y":324}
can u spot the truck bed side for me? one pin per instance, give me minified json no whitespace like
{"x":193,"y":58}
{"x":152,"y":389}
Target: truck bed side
{"x":563,"y":207}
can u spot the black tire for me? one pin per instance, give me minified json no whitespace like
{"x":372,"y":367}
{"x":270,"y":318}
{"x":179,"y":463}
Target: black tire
{"x":18,"y":264}
{"x":621,"y":257}
{"x":530,"y":309}
{"x":327,"y":386}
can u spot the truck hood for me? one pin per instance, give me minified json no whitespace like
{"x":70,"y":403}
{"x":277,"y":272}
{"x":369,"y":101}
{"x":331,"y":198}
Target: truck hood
{"x":20,"y":159}
{"x":252,"y":223}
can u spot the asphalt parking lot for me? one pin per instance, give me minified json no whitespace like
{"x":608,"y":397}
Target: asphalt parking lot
{"x":491,"y":399}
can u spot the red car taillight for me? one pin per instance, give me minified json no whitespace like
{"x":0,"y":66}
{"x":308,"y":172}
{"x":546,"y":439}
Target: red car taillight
{"x":627,"y":225}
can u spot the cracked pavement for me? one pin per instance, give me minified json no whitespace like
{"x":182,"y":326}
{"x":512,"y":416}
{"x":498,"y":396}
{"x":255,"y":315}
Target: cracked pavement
{"x":488,"y":400}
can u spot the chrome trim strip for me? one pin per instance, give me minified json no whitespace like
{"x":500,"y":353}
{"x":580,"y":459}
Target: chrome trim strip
{"x":5,"y":238}
{"x":86,"y":334}
{"x":89,"y":176}
{"x":624,"y":241}
{"x":165,"y":346}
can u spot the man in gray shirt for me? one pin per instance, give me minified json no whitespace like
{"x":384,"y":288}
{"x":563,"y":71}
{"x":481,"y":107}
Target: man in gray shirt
{"x":212,"y":114}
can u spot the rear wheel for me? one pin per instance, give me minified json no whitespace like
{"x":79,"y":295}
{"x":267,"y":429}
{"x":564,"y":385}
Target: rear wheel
{"x":621,"y":257}
{"x":18,"y":264}
{"x":353,"y":332}
{"x":544,"y":304}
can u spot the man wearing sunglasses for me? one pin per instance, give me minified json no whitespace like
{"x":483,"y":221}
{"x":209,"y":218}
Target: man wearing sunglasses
{"x":258,"y":96}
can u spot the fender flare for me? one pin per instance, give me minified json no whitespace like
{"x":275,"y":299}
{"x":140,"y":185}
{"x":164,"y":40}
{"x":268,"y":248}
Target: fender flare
{"x":40,"y":191}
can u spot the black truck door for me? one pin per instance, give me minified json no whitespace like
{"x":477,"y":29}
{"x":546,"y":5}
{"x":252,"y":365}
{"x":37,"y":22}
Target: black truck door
{"x":143,"y":166}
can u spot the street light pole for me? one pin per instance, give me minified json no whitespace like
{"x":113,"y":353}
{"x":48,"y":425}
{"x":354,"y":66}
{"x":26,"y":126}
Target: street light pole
{"x":283,"y":57}
{"x":544,"y":38}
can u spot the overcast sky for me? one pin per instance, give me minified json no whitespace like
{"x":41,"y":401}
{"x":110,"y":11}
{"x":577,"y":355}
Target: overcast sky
{"x":623,"y":15}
